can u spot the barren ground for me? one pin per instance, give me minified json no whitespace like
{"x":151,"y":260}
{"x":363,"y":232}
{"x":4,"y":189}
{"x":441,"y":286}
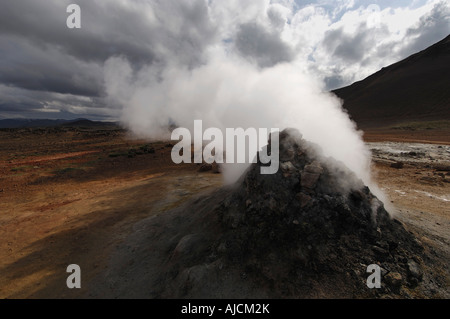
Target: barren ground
{"x":71,"y":195}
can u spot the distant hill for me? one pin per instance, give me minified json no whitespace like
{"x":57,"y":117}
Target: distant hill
{"x":23,"y":123}
{"x":19,"y":123}
{"x":87,"y":123}
{"x":414,"y":89}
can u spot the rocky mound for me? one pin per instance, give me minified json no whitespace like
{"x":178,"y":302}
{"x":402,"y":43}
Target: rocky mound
{"x":313,"y":219}
{"x":310,"y":230}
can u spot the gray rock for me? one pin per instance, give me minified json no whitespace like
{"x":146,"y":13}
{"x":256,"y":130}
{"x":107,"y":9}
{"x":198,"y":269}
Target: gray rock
{"x":287,"y":167}
{"x":287,"y":155}
{"x":216,"y":168}
{"x":314,"y":168}
{"x":305,"y":200}
{"x":187,"y":247}
{"x":310,"y":175}
{"x":414,"y":270}
{"x":205,"y":167}
{"x":309,"y":180}
{"x":394,"y":280}
{"x":397,"y":165}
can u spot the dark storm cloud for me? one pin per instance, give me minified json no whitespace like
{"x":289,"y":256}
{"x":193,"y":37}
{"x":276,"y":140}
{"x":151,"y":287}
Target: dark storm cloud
{"x":43,"y":64}
{"x":41,"y":104}
{"x":262,"y":46}
{"x":46,"y":69}
{"x":40,"y":55}
{"x":109,"y":28}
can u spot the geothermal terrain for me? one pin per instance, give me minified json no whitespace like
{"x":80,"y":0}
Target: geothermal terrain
{"x":140,"y":226}
{"x":96,"y":197}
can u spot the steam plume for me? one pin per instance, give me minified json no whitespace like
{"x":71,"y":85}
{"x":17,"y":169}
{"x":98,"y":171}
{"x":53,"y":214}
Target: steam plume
{"x":226,"y":89}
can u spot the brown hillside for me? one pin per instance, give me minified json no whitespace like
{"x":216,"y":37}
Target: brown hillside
{"x":414,"y":89}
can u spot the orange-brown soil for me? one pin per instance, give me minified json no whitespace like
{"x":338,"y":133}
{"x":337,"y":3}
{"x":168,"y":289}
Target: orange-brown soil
{"x":432,"y":136}
{"x":70,"y":196}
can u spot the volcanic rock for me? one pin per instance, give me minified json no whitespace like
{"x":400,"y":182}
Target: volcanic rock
{"x":414,"y":270}
{"x":205,"y":167}
{"x":302,"y":232}
{"x":397,"y":165}
{"x":394,"y":281}
{"x":216,"y":168}
{"x":293,"y":224}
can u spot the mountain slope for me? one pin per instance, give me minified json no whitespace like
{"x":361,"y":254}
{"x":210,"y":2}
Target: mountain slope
{"x":414,"y":89}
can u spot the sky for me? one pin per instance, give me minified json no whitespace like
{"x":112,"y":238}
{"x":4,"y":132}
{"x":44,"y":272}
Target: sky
{"x":50,"y":71}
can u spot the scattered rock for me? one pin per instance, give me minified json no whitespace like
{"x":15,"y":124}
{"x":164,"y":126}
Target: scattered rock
{"x":147,"y":149}
{"x":430,"y":180}
{"x":287,"y":168}
{"x":357,"y":195}
{"x":305,"y":200}
{"x":442,"y":167}
{"x":397,"y":165}
{"x":380,"y":253}
{"x":314,"y":168}
{"x":205,"y":167}
{"x":216,"y":168}
{"x":394,"y":280}
{"x":287,"y":155}
{"x":414,"y":270}
{"x":186,"y":249}
{"x":309,"y":180}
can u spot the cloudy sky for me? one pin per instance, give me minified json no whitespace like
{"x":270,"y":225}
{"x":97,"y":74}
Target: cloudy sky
{"x":50,"y":71}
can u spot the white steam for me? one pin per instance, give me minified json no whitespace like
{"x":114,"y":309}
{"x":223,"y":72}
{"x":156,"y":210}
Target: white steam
{"x":226,"y":90}
{"x":234,"y":93}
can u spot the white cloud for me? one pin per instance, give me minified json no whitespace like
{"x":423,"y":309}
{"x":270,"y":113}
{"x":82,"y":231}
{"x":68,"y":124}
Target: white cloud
{"x":375,"y":36}
{"x":372,"y":39}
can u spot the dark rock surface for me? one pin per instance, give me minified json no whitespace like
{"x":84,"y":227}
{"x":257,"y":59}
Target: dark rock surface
{"x":308,"y":231}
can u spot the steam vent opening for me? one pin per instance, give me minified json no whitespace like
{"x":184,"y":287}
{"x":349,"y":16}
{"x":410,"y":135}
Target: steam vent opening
{"x":310,"y":230}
